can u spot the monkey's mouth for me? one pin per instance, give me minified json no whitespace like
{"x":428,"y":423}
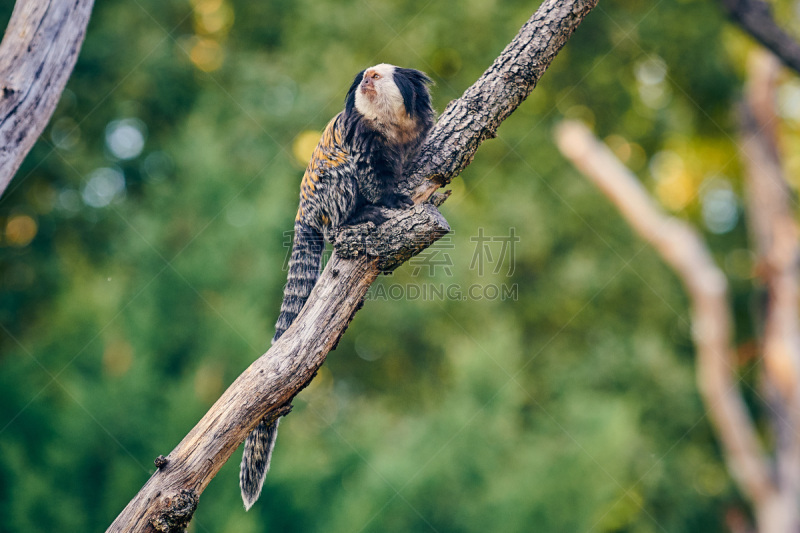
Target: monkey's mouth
{"x":368,"y":90}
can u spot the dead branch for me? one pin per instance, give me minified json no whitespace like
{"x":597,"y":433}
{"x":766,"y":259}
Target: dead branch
{"x":772,"y":224}
{"x":469,"y":120}
{"x":774,"y":235}
{"x":684,"y":250}
{"x":271,"y":382}
{"x":37,"y":55}
{"x":755,"y":17}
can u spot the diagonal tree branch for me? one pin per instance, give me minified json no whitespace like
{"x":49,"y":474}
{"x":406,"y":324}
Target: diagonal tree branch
{"x":474,"y":117}
{"x":684,"y":250}
{"x":37,"y":55}
{"x":755,"y":17}
{"x":167,"y":500}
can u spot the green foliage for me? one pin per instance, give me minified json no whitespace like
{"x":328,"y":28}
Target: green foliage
{"x":126,"y":310}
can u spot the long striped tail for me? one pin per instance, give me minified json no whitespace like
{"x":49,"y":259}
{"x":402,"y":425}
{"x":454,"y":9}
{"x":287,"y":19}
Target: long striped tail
{"x":304,"y":267}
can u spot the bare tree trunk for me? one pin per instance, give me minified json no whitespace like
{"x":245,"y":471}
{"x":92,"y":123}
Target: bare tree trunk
{"x":683,"y":249}
{"x":775,"y":239}
{"x":772,"y":486}
{"x":37,"y":55}
{"x":266,"y":388}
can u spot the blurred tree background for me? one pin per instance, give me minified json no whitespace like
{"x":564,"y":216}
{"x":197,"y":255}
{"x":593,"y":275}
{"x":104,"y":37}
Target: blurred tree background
{"x":143,"y":246}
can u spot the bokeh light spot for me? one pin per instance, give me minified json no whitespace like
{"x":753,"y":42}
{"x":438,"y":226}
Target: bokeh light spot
{"x":20,"y":230}
{"x":125,"y":138}
{"x":674,"y":186}
{"x":651,"y":76}
{"x":620,"y":147}
{"x":304,"y":145}
{"x":651,"y":71}
{"x":207,"y":55}
{"x":69,"y":200}
{"x":104,"y":186}
{"x":720,"y":206}
{"x":206,"y":6}
{"x":215,"y":20}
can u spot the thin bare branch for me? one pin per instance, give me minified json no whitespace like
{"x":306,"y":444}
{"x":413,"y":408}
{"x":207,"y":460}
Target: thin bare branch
{"x":271,"y":382}
{"x":773,"y":227}
{"x":684,"y":250}
{"x":774,"y":234}
{"x":755,"y":17}
{"x":37,"y":55}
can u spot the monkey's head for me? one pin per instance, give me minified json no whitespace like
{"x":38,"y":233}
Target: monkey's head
{"x":392,"y":99}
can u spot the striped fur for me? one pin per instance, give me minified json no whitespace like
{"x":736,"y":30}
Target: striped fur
{"x":258,"y":456}
{"x":304,"y":267}
{"x":351,"y":178}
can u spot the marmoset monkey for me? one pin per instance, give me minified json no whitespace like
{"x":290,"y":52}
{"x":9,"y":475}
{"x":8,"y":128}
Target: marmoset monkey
{"x":352,"y":177}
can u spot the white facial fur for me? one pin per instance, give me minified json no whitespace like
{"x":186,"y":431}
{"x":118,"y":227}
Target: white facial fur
{"x":384,"y":107}
{"x":386,"y":104}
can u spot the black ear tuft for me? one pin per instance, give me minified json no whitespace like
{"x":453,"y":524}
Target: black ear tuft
{"x":350,"y":99}
{"x":413,"y":86}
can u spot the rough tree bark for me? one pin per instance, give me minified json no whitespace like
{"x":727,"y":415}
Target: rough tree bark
{"x":37,"y":55}
{"x":770,"y":482}
{"x":168,"y":499}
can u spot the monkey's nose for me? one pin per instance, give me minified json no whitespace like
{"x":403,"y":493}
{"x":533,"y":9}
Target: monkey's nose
{"x":367,"y":82}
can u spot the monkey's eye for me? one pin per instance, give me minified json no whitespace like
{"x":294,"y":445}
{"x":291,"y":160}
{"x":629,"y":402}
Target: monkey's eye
{"x":376,"y":76}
